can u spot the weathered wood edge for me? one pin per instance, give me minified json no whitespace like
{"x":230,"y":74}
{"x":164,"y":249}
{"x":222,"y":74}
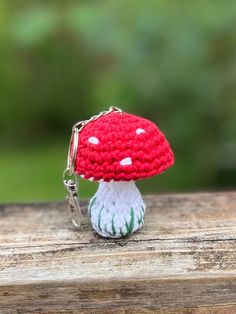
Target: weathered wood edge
{"x":141,"y":296}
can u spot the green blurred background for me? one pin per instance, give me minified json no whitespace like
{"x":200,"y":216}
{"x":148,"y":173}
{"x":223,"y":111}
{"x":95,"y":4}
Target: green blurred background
{"x":64,"y":61}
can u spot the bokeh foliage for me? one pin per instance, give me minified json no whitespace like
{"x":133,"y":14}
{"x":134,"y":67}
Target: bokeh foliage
{"x":63,"y":61}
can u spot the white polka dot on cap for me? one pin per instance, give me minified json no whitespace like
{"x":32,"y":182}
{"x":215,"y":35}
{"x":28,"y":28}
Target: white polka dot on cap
{"x":126,"y":161}
{"x":139,"y":131}
{"x":93,"y":140}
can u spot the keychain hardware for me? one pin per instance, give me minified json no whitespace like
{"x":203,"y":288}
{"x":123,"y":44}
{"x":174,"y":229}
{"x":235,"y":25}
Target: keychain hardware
{"x":69,"y":176}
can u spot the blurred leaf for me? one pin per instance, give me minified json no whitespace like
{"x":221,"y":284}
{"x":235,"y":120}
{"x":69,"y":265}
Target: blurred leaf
{"x":33,"y":25}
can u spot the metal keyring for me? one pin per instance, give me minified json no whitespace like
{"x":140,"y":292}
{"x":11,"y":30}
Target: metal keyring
{"x":69,"y":176}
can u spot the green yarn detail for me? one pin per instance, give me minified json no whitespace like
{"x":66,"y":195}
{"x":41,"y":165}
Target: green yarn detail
{"x":140,"y":219}
{"x":105,"y":228}
{"x":113,"y":226}
{"x":135,"y":221}
{"x":130,"y":226}
{"x":91,"y":205}
{"x":99,"y":218}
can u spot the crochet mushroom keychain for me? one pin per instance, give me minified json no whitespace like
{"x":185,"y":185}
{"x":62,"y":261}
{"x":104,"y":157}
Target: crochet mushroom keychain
{"x":115,"y":149}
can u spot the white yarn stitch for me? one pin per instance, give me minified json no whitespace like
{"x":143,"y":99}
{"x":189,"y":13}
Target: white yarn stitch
{"x":117,"y":209}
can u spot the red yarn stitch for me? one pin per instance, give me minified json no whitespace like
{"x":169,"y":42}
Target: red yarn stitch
{"x":150,"y":152}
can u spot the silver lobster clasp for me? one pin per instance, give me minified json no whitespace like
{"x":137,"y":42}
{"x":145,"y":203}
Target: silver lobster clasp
{"x":70,"y":184}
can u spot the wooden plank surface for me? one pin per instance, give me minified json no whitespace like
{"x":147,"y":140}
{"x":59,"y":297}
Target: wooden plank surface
{"x":182,"y":261}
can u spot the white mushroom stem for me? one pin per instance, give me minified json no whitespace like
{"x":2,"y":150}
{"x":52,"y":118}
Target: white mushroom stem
{"x":117,"y":209}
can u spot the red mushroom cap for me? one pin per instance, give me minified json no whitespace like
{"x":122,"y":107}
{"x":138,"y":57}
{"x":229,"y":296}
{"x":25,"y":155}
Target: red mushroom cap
{"x":121,"y":147}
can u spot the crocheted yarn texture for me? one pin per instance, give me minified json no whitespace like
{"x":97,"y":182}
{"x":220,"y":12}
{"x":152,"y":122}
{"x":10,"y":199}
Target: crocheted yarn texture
{"x":122,"y":147}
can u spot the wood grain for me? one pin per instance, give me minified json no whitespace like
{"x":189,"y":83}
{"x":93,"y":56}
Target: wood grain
{"x":182,"y":261}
